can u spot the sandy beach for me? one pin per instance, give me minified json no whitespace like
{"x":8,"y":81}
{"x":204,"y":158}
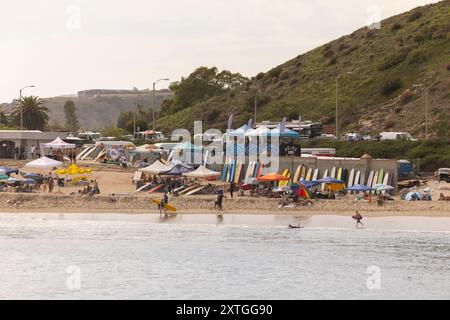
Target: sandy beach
{"x":113,"y":179}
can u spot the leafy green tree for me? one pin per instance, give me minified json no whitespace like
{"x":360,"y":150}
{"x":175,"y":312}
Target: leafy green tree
{"x":33,"y":111}
{"x":202,"y":84}
{"x":113,"y":132}
{"x":71,"y":117}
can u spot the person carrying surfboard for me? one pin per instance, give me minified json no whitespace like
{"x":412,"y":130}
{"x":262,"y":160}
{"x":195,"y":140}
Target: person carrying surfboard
{"x":358,"y":217}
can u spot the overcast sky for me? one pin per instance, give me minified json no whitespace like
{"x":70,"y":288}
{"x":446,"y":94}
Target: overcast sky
{"x":65,"y":46}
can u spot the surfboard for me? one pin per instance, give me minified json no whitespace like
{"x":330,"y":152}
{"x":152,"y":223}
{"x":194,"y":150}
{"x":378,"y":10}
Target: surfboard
{"x":284,"y":174}
{"x":339,"y":174}
{"x":247,"y":172}
{"x":195,"y":190}
{"x":285,"y":183}
{"x":237,"y":178}
{"x":333,"y":172}
{"x":167,"y":206}
{"x":309,"y":174}
{"x":101,"y":154}
{"x":386,"y":179}
{"x":370,"y":179}
{"x":362,"y":178}
{"x":155,"y":188}
{"x":380,"y":176}
{"x":143,"y":187}
{"x":261,"y":167}
{"x":344,"y":175}
{"x":304,"y":172}
{"x":187,"y":190}
{"x":224,"y":172}
{"x":256,"y":170}
{"x":357,"y":178}
{"x":375,"y":179}
{"x":297,"y":174}
{"x":316,"y":174}
{"x":325,"y":174}
{"x":351,"y":178}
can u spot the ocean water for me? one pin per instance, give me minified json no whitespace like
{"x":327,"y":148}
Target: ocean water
{"x":231,"y":257}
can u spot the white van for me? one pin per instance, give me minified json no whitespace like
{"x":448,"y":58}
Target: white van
{"x":396,"y":136}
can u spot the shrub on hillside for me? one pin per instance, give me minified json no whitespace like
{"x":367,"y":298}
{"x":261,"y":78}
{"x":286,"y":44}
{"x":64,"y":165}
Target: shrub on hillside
{"x":448,"y":67}
{"x":418,"y":57}
{"x":415,"y":16}
{"x":393,"y":60}
{"x":284,"y":75}
{"x":391,"y":86}
{"x":259,"y":76}
{"x":275,"y":72}
{"x":396,"y":26}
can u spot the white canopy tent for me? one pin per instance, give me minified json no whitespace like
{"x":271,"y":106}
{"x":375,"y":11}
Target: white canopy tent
{"x":156,"y":167}
{"x":202,"y":172}
{"x":58,"y":143}
{"x":43,"y":162}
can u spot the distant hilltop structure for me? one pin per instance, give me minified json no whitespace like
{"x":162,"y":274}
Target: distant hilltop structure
{"x":104,"y":92}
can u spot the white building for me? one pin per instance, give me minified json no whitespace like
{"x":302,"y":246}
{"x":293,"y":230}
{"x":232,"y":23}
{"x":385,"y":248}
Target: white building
{"x":24,"y":140}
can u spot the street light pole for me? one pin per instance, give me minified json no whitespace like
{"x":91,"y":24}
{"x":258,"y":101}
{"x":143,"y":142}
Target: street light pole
{"x":21,"y":106}
{"x":154,"y":102}
{"x":426,"y":114}
{"x":256,"y":105}
{"x":336,"y":130}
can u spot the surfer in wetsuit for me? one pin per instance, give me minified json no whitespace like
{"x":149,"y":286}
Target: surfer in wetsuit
{"x":358,"y":217}
{"x":295,"y":227}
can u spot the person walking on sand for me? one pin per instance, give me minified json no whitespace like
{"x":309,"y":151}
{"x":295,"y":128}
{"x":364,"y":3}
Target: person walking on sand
{"x":232,"y":187}
{"x":358,"y":217}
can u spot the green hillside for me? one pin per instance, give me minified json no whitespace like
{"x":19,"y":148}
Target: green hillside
{"x":391,"y":69}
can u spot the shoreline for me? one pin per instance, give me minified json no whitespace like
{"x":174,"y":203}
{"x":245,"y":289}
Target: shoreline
{"x":201,"y":205}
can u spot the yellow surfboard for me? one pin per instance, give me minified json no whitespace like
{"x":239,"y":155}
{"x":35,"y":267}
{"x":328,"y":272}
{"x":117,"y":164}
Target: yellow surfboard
{"x":168,"y":207}
{"x":297,"y":174}
{"x":284,"y":174}
{"x":309,"y":174}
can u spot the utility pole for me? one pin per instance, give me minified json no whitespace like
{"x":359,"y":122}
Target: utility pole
{"x":21,"y":106}
{"x":154,"y":102}
{"x":426,"y":114}
{"x":256,"y":104}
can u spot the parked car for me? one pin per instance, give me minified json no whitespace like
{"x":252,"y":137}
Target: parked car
{"x":444,"y":174}
{"x":396,"y":136}
{"x":353,"y":136}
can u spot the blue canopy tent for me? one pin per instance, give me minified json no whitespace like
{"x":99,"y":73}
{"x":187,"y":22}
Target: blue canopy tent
{"x":287,"y":133}
{"x":359,"y":187}
{"x":309,"y":184}
{"x":28,"y":181}
{"x":178,"y":170}
{"x":239,"y":131}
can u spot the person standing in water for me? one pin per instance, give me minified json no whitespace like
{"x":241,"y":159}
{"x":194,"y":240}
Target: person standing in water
{"x":358,"y":217}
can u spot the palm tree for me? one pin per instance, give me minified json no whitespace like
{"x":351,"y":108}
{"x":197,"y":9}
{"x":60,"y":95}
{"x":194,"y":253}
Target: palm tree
{"x":4,"y":117}
{"x":34,"y":113}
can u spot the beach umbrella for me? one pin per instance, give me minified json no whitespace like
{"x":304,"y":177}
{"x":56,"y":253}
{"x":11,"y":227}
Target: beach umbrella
{"x":359,"y":187}
{"x":382,"y":187}
{"x":409,"y":196}
{"x":7,"y":170}
{"x":28,"y":181}
{"x":43,"y":162}
{"x":3,"y":177}
{"x":271,"y":177}
{"x":12,"y":180}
